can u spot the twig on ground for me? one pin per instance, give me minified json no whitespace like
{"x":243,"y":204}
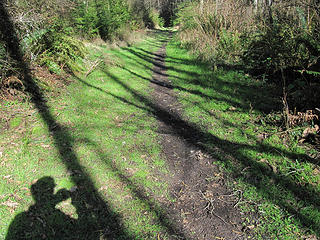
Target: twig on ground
{"x":93,"y":67}
{"x":239,"y":200}
{"x":210,"y":207}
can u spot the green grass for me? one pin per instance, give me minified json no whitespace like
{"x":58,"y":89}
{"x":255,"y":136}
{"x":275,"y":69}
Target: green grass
{"x":277,"y":178}
{"x":104,"y":143}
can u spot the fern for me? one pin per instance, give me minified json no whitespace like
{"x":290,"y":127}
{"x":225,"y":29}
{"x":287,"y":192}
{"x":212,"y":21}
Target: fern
{"x":57,"y":50}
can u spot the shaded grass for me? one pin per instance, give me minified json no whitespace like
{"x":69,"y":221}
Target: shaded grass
{"x":115,"y":144}
{"x":277,"y":179}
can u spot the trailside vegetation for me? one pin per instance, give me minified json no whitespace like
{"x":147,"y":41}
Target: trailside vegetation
{"x":275,"y":41}
{"x":49,"y":33}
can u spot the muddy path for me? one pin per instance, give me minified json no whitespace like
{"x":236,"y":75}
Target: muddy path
{"x":204,"y":207}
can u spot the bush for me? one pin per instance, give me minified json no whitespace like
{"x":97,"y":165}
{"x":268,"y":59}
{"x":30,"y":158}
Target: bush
{"x":214,"y":35}
{"x":280,"y":43}
{"x":280,"y":46}
{"x":111,"y":15}
{"x":155,"y":18}
{"x":57,"y":50}
{"x":86,"y":20}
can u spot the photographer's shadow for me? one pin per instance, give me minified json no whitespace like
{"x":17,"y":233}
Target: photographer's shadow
{"x":43,"y":220}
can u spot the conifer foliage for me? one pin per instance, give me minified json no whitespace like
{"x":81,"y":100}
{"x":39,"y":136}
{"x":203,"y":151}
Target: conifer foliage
{"x":48,"y":31}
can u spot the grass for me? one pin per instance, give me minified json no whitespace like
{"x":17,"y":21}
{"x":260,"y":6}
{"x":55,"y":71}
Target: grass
{"x":277,"y":178}
{"x":101,"y":144}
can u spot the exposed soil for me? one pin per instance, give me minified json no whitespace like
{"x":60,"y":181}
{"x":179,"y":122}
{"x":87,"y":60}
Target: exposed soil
{"x":204,"y":207}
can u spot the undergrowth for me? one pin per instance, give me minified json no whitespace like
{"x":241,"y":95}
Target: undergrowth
{"x":58,"y":51}
{"x":276,"y":43}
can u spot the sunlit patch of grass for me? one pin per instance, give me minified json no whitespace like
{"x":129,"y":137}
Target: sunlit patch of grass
{"x":278,"y":180}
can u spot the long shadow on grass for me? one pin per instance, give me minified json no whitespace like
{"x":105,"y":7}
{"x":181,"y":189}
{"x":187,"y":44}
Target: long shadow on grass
{"x":259,"y":175}
{"x":161,"y":217}
{"x":250,"y":98}
{"x":169,"y":86}
{"x":271,"y":185}
{"x":96,"y":219}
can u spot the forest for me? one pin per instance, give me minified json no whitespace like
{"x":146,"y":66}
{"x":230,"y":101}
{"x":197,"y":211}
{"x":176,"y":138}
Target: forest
{"x":103,"y":97}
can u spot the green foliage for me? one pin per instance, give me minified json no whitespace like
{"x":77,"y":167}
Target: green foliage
{"x":112,"y":15}
{"x":278,"y":44}
{"x":155,"y":18}
{"x":86,"y":19}
{"x":209,"y":33}
{"x":229,"y":47}
{"x":185,"y":16}
{"x":58,"y":50}
{"x":266,"y":45}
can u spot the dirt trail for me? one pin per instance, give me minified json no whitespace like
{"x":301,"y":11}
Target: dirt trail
{"x":204,"y":208}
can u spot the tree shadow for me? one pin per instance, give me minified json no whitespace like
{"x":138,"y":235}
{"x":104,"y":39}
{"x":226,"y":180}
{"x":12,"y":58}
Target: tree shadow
{"x":236,"y":94}
{"x":272,"y":185}
{"x":138,"y":192}
{"x":98,"y":219}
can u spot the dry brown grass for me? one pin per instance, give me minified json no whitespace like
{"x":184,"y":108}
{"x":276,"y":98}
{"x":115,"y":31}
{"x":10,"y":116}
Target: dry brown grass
{"x":230,"y":16}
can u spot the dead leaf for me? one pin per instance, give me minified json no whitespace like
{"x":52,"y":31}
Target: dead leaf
{"x":309,"y":132}
{"x":316,"y":171}
{"x":73,"y":189}
{"x":250,"y":227}
{"x":103,"y":188}
{"x":310,"y":237}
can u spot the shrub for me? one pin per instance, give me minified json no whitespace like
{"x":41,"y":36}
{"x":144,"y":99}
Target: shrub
{"x":280,"y":43}
{"x":57,"y":50}
{"x":213,"y":33}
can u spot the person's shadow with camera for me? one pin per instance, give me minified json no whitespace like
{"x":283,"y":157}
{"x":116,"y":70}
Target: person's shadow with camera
{"x":43,"y":220}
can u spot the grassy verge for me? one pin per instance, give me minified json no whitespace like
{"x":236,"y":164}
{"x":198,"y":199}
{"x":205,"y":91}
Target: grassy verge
{"x":99,"y":142}
{"x":277,"y":178}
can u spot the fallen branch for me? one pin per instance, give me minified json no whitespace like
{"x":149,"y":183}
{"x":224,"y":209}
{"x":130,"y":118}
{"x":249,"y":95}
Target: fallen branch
{"x":93,"y":67}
